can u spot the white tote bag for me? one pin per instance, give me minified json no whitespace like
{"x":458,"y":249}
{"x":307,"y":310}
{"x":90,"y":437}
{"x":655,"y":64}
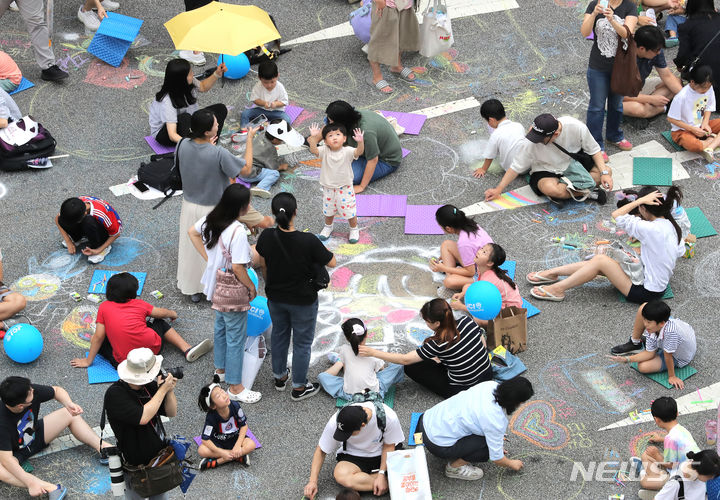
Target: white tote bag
{"x":254,"y":356}
{"x":435,"y":32}
{"x":408,"y":474}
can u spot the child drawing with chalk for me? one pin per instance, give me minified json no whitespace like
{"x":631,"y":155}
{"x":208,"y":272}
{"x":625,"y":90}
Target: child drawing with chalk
{"x":487,"y":264}
{"x":505,"y":138}
{"x":669,"y":342}
{"x":457,"y":258}
{"x":224,"y":436}
{"x":360,"y":372}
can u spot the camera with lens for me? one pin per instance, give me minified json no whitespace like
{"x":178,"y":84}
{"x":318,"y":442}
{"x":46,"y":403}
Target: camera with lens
{"x":117,"y":478}
{"x":176,"y":372}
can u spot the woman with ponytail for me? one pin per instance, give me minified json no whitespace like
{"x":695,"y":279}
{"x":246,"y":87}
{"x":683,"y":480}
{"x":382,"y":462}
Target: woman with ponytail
{"x":689,"y":482}
{"x":456,"y":259}
{"x":360,"y":373}
{"x":453,"y":359}
{"x":662,"y":243}
{"x":289,"y":259}
{"x":487,"y":264}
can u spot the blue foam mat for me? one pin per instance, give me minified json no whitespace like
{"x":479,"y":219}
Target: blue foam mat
{"x":108,"y":49}
{"x":24,"y":85}
{"x":114,"y":37}
{"x":98,"y":281}
{"x":120,"y":26}
{"x":531,"y":309}
{"x":413,"y":425}
{"x":101,"y":371}
{"x":510,"y":266}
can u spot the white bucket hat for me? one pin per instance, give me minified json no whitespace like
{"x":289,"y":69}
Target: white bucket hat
{"x":141,"y":367}
{"x":286,"y":133}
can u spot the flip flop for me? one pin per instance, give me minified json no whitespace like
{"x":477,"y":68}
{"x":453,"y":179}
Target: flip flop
{"x":382,"y":86}
{"x":545,"y":295}
{"x":405,"y":74}
{"x":536,"y":279}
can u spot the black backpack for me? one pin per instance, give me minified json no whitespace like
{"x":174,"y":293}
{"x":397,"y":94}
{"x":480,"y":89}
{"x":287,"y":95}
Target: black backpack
{"x":162,"y":173}
{"x":13,"y":158}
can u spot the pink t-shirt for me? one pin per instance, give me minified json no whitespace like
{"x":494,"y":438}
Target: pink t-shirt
{"x":510,"y":296}
{"x":8,"y":69}
{"x":469,"y":243}
{"x":399,"y":4}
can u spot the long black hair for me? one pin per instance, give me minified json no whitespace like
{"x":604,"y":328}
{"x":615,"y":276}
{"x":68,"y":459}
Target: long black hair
{"x":343,"y":113}
{"x":176,"y":86}
{"x":348,"y":328}
{"x":673,"y":196}
{"x":705,"y":462}
{"x":497,"y":257}
{"x":697,"y":8}
{"x":510,"y":394}
{"x":235,"y":199}
{"x":439,"y":310}
{"x":451,"y":216}
{"x":283,"y":206}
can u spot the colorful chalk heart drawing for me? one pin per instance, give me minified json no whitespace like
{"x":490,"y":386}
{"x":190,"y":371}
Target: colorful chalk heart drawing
{"x":103,"y":75}
{"x":535,"y":422}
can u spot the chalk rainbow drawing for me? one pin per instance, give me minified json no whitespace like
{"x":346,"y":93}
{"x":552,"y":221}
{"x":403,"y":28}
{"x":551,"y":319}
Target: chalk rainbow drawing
{"x":79,"y":325}
{"x":535,"y":422}
{"x":37,"y":287}
{"x":511,"y":200}
{"x":639,"y":443}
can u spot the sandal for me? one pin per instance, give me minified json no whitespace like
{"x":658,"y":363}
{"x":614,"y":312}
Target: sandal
{"x":536,"y":279}
{"x":405,"y":74}
{"x":246,"y":396}
{"x":383,"y":86}
{"x":543,"y":294}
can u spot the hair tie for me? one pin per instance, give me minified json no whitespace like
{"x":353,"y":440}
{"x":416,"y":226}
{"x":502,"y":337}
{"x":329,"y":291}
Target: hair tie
{"x":281,"y":209}
{"x":623,"y":196}
{"x":211,"y":387}
{"x":454,"y":211}
{"x":358,"y":330}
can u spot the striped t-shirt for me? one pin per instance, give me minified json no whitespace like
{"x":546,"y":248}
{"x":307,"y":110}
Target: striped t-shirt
{"x":466,"y":360}
{"x":676,"y":338}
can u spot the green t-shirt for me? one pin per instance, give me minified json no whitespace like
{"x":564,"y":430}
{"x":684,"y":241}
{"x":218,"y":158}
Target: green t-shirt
{"x":380,"y":139}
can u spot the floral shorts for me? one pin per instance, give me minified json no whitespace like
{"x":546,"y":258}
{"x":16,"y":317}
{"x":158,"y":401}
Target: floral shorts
{"x":339,"y":202}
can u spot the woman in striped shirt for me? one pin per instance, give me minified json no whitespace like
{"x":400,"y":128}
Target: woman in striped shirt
{"x":452,"y":360}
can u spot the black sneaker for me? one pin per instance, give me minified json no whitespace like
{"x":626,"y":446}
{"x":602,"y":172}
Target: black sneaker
{"x":628,"y":347}
{"x":281,"y":384}
{"x":208,"y":463}
{"x":53,"y":74}
{"x":308,"y":391}
{"x":598,"y":195}
{"x":244,"y":460}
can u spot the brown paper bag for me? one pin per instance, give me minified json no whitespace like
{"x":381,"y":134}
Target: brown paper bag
{"x":509,"y":330}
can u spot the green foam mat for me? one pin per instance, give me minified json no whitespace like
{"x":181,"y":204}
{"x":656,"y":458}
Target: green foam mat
{"x":389,"y":399}
{"x":661,"y":378}
{"x":668,"y":137}
{"x":699,"y":224}
{"x":667,"y":295}
{"x":652,"y":171}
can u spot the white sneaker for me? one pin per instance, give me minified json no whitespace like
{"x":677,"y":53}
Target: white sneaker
{"x":109,"y":5}
{"x":90,"y":19}
{"x":13,"y":6}
{"x":196,"y":59}
{"x":326,"y":232}
{"x":97,"y":259}
{"x":466,"y":472}
{"x":354,"y":235}
{"x":260,"y":192}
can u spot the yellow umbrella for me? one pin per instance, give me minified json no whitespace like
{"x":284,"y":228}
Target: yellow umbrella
{"x":222,"y":28}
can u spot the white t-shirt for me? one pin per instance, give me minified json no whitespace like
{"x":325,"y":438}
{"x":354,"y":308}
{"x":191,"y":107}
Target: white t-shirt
{"x":369,"y":442}
{"x":336,"y":166}
{"x":163,"y":111}
{"x":694,"y":490}
{"x":276,"y":94}
{"x":574,"y":136}
{"x":359,"y":371}
{"x":660,"y":248}
{"x":689,"y":106}
{"x":239,"y":249}
{"x":504,"y":141}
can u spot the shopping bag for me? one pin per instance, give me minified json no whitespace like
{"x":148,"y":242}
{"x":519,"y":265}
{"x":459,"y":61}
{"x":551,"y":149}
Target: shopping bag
{"x":408,"y":474}
{"x":625,"y":79}
{"x":436,"y":34}
{"x":509,"y":329}
{"x":360,"y":21}
{"x":254,"y":356}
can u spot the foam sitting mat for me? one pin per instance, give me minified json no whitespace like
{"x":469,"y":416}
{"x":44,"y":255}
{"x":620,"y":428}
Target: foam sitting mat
{"x":389,"y":399}
{"x":661,"y":378}
{"x":699,"y":224}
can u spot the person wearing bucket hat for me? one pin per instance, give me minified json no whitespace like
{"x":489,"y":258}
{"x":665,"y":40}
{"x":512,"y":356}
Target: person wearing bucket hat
{"x":355,"y":434}
{"x":564,"y":161}
{"x":134,"y":405}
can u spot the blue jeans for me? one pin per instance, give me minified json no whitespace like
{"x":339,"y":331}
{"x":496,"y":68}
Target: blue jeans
{"x":673,"y":21}
{"x":250,"y":114}
{"x":265,"y":179}
{"x":387,"y":377}
{"x":230,"y":337}
{"x":599,"y":85}
{"x":298,"y":321}
{"x":381,"y":170}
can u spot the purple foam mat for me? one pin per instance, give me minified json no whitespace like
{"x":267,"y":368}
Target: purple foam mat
{"x":405,"y":152}
{"x":420,"y":219}
{"x":411,"y":122}
{"x":381,"y":205}
{"x":293,"y":112}
{"x":198,"y":439}
{"x":157,"y":147}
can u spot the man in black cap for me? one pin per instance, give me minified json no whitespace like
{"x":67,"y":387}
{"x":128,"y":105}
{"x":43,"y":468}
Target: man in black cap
{"x":361,"y":441}
{"x":564,"y":162}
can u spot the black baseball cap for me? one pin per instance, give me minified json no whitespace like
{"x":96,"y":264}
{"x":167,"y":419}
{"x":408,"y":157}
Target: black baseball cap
{"x":350,"y":419}
{"x":543,"y":126}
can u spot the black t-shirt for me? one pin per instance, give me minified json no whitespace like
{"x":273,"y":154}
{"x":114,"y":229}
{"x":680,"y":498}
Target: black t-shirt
{"x":124,"y":406}
{"x":646,"y":65}
{"x":287,"y":280}
{"x":224,"y":432}
{"x":605,"y":42}
{"x":17,"y":430}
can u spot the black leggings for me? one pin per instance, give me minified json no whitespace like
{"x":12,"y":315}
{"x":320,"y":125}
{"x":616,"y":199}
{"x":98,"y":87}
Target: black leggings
{"x":159,"y":325}
{"x":90,"y":228}
{"x":183,"y":125}
{"x":434,"y":376}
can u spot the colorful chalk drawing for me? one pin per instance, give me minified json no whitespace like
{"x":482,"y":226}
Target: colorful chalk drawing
{"x":639,"y":443}
{"x":59,"y":263}
{"x":602,"y":383}
{"x":123,"y":77}
{"x":535,"y":422}
{"x":79,"y":325}
{"x":553,"y":465}
{"x":97,"y":479}
{"x":37,"y":287}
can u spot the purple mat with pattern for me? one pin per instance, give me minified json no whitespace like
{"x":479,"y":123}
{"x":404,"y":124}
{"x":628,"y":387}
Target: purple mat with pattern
{"x":293,"y":112}
{"x":405,"y":152}
{"x":157,"y":147}
{"x":381,"y":205}
{"x":420,"y":219}
{"x":411,"y":122}
{"x":198,"y":439}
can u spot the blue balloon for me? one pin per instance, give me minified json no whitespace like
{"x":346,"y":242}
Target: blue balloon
{"x":258,"y":317}
{"x":237,"y":66}
{"x":23,"y":343}
{"x":483,"y":300}
{"x":253,"y":276}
